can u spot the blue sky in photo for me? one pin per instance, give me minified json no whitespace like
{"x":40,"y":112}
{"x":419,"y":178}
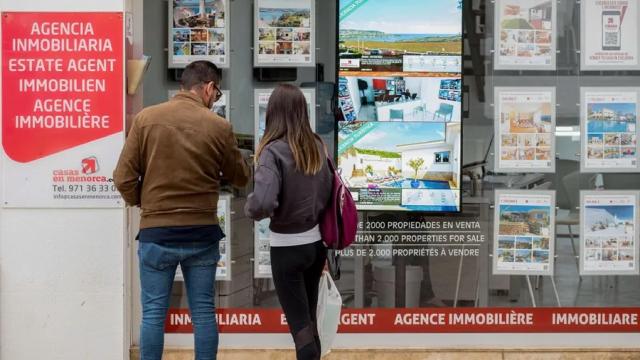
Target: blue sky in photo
{"x":624,"y":212}
{"x":522,"y":208}
{"x":387,"y":135}
{"x":621,"y":108}
{"x":405,"y":16}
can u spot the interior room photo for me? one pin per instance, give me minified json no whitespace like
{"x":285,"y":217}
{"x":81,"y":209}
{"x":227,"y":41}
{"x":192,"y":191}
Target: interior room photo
{"x":401,"y":98}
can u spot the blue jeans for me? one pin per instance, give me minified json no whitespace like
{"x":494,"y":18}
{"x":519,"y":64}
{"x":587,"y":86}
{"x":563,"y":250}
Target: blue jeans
{"x":158,"y":263}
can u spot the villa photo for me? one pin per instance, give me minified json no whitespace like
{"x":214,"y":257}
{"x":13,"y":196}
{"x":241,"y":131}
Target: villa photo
{"x":401,"y":166}
{"x":605,"y":220}
{"x":524,"y":220}
{"x":402,"y":98}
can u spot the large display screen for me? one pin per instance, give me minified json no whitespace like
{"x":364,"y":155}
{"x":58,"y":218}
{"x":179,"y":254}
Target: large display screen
{"x":400,"y":101}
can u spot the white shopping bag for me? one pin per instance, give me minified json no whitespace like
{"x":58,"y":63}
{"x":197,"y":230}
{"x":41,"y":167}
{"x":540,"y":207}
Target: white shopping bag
{"x":329,"y":307}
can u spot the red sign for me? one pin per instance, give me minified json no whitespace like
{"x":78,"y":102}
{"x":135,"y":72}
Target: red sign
{"x":62,"y":82}
{"x":486,"y":320}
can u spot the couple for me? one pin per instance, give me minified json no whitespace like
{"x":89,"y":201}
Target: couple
{"x":175,"y":157}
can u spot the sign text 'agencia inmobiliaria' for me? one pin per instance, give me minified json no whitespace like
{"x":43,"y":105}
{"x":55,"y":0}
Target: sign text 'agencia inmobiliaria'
{"x":62,"y":114}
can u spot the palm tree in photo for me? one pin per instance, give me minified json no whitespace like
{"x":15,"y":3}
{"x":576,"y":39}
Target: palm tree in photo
{"x":416,"y":164}
{"x":369,"y":169}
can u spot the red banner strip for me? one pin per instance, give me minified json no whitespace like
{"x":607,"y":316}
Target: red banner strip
{"x":486,"y":320}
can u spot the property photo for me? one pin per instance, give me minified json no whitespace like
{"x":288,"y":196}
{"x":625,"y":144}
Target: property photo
{"x":615,"y":220}
{"x":524,"y":220}
{"x":401,"y":98}
{"x":282,"y":17}
{"x":411,"y":166}
{"x":198,"y":14}
{"x":394,"y":29}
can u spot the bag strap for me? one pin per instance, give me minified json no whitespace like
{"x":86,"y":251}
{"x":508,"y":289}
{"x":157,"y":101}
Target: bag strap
{"x":326,"y":154}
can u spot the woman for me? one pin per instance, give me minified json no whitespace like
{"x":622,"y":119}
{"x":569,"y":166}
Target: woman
{"x":292,"y":187}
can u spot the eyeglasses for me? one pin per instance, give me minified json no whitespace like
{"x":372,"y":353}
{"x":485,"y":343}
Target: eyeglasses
{"x":218,"y":91}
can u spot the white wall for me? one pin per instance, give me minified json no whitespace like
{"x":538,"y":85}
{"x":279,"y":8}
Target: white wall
{"x":62,"y":272}
{"x":430,"y":96}
{"x":428,"y":154}
{"x":355,"y":93}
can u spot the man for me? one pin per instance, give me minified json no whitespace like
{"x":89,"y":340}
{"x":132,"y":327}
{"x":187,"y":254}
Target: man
{"x":174,"y":159}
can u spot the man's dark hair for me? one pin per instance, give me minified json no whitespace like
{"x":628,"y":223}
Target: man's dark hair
{"x":199,"y":73}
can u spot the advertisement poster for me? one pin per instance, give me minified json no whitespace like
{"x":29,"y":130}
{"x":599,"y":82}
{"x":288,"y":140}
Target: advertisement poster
{"x":62,"y":135}
{"x":609,"y":129}
{"x":525,"y":35}
{"x":411,"y":36}
{"x":412,"y":166}
{"x":609,"y":35}
{"x":284,"y":33}
{"x":223,"y":272}
{"x":198,"y":30}
{"x":524,"y":232}
{"x":609,"y":233}
{"x":220,"y":107}
{"x":262,"y":250}
{"x":525,"y":122}
{"x":261,"y":100}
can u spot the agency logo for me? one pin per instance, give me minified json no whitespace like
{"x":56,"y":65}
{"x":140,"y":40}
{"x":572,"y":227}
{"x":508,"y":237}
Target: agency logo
{"x":90,"y":165}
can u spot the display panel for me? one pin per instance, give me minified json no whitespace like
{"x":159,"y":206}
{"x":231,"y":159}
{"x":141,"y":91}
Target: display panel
{"x":525,"y":122}
{"x":524,"y":234}
{"x":609,"y":243}
{"x":525,"y":35}
{"x":198,"y":30}
{"x":400,"y":100}
{"x":223,"y":271}
{"x":609,"y":35}
{"x":221,"y":107}
{"x":261,"y":100}
{"x":411,"y":166}
{"x":262,"y":250}
{"x":284,"y":33}
{"x":609,"y":129}
{"x":262,"y":257}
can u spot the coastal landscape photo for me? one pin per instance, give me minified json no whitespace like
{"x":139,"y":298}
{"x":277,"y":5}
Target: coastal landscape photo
{"x":381,"y":27}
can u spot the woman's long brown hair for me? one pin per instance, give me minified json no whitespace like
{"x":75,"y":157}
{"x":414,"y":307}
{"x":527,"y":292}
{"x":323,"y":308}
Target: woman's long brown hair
{"x":288,"y":119}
